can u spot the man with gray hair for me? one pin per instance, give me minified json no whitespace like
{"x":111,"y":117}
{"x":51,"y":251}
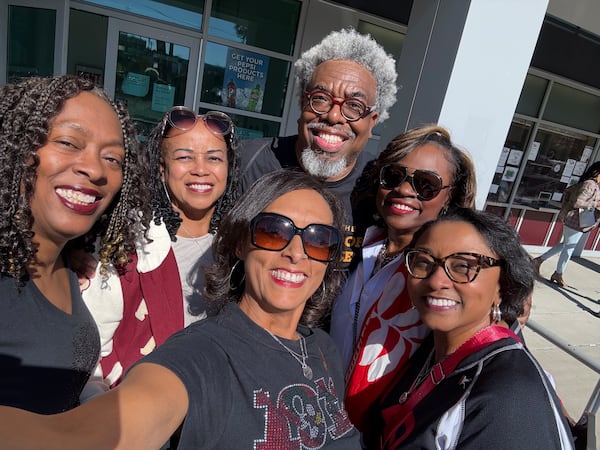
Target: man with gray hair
{"x":347,"y":84}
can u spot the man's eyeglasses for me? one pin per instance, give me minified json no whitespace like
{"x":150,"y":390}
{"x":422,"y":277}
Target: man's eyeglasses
{"x":274,"y":232}
{"x":427,"y":185}
{"x":180,"y":119}
{"x":461,"y":267}
{"x":351,"y":108}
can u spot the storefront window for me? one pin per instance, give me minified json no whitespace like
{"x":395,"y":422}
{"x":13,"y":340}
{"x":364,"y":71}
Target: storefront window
{"x":244,"y":80}
{"x":556,"y":160}
{"x":151,"y":77}
{"x":30,"y":42}
{"x":532,"y":96}
{"x":574,"y":108}
{"x":185,"y":13}
{"x":250,"y":127}
{"x":269,"y":24}
{"x":510,"y":160}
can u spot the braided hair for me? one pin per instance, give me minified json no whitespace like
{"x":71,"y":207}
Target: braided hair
{"x":27,"y":109}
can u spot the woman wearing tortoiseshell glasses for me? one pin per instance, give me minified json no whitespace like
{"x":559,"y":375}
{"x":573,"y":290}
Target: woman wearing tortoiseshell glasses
{"x":416,"y":177}
{"x":193,"y":167}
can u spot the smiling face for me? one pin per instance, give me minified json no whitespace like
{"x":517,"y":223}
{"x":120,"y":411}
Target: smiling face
{"x":194,"y":169}
{"x":278,"y":283}
{"x":80,"y":169}
{"x":454,"y":310}
{"x":328,"y":144}
{"x":400,"y":208}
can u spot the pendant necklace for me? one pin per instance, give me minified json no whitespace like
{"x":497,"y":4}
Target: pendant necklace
{"x":424,"y":373}
{"x":191,"y":237}
{"x":306,"y":370}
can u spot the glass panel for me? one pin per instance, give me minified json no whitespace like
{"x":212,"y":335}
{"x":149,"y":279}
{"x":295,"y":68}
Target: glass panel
{"x":250,"y":127}
{"x":510,"y":160}
{"x":87,"y":56}
{"x":532,"y":95}
{"x":30,"y":46}
{"x":556,"y":161}
{"x":572,"y":107}
{"x":244,"y":80}
{"x":151,"y":77}
{"x":185,"y":13}
{"x":269,"y":24}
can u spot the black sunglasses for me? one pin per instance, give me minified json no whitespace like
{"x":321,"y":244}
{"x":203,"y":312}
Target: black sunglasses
{"x":274,"y":232}
{"x":184,"y":119}
{"x":427,"y":185}
{"x":461,"y":267}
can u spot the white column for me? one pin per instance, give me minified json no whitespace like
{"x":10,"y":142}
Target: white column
{"x":463,"y":65}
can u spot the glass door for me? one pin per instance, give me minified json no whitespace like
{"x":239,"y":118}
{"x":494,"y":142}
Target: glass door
{"x":34,"y":38}
{"x":150,"y":70}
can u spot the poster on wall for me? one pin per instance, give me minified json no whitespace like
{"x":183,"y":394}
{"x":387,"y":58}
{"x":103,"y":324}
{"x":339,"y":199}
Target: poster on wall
{"x":245,"y":79}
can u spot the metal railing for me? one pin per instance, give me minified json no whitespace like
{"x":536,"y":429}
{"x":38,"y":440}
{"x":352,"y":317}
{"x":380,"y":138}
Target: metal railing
{"x":591,"y":409}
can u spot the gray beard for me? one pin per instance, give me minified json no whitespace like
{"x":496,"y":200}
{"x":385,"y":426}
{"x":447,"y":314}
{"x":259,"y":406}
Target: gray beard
{"x":322,"y":168}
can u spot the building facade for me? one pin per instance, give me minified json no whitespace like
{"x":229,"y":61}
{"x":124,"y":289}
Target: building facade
{"x":237,"y":56}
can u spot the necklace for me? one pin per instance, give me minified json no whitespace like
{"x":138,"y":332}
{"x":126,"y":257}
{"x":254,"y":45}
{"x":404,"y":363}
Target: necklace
{"x":306,"y":370}
{"x":424,"y":373}
{"x":384,"y":258}
{"x":191,"y":236}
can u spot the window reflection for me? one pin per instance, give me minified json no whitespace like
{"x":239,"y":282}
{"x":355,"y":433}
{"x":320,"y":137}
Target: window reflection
{"x":188,"y":13}
{"x":269,"y":24}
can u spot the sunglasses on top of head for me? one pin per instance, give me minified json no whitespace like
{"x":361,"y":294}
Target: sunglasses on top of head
{"x":274,"y":232}
{"x":180,"y":119}
{"x":427,"y":185}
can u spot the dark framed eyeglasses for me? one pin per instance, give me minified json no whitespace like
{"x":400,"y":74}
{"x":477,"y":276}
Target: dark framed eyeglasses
{"x":426,"y":184}
{"x":351,"y":108}
{"x":274,"y":232}
{"x":183,"y":119}
{"x":461,"y":267}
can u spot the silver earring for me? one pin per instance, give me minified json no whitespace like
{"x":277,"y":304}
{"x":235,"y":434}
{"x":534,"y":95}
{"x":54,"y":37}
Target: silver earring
{"x":240,"y":283}
{"x":166,"y":191}
{"x":496,"y":313}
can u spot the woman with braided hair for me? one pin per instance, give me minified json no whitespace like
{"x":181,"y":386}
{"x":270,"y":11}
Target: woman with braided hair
{"x":69,"y":171}
{"x":193,"y":167}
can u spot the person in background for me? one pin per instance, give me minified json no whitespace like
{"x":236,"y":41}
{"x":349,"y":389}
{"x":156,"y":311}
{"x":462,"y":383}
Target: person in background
{"x":347,"y":85}
{"x":193,"y":167}
{"x":416,"y":178}
{"x":473,"y":376}
{"x":257,"y":375}
{"x":70,"y":171}
{"x":583,"y":195}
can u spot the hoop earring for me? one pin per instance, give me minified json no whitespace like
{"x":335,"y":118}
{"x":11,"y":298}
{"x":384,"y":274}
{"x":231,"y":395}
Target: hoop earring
{"x":240,"y":283}
{"x":166,"y":191}
{"x":496,"y":313}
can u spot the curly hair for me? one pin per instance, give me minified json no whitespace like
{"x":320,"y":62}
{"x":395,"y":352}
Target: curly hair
{"x":348,"y":44}
{"x":517,"y":275}
{"x":464,"y":184}
{"x":224,"y":285}
{"x":161,"y":205}
{"x":27,"y":109}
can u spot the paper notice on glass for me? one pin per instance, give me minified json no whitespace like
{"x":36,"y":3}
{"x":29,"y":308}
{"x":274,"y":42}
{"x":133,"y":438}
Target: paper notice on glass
{"x":587,"y":152}
{"x":572,"y":181}
{"x":514,"y":157}
{"x":163,"y":97}
{"x":569,"y":166}
{"x":564,"y":179}
{"x":499,"y":169}
{"x":494,"y":188}
{"x":510,"y":173}
{"x":503,"y":157}
{"x":533,"y":152}
{"x":557,"y":196}
{"x":579,"y":168}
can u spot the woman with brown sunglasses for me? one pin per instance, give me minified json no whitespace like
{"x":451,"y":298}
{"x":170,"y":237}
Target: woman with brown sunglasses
{"x":193,"y":167}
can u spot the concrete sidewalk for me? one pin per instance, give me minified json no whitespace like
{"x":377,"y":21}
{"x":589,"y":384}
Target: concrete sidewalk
{"x":572,"y":313}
